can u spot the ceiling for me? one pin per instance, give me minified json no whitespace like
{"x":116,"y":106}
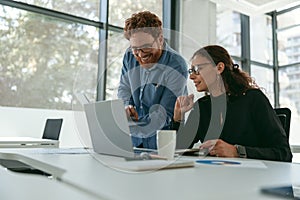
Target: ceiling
{"x":254,"y":7}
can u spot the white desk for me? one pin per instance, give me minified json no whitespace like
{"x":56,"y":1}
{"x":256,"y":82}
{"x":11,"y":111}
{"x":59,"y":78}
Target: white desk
{"x":15,"y":186}
{"x":86,"y":175}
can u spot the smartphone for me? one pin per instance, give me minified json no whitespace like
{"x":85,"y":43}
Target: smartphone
{"x":287,"y":192}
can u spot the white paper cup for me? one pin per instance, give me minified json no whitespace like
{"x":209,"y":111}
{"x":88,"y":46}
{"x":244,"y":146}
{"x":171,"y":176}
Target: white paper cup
{"x":166,"y":143}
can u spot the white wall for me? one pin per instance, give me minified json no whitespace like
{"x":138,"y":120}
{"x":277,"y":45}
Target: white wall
{"x":30,"y":122}
{"x":198,"y":25}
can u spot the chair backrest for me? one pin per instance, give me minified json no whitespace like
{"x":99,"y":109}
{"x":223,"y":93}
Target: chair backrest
{"x":284,"y":115}
{"x":52,"y":129}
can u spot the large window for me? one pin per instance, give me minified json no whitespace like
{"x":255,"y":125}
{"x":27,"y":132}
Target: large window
{"x":40,"y":57}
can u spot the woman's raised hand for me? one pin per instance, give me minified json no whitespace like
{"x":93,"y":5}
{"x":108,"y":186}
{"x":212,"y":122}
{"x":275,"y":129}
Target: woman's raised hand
{"x":183,"y":104}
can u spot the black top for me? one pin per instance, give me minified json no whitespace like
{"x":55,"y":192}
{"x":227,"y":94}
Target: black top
{"x":248,"y":120}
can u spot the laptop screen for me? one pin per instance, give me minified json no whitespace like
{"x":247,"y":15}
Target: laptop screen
{"x":108,"y":126}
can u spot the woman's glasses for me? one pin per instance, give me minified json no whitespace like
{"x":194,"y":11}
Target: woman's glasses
{"x":197,"y":68}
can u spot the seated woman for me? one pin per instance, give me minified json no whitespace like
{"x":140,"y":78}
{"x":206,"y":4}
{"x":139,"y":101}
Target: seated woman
{"x":235,"y":118}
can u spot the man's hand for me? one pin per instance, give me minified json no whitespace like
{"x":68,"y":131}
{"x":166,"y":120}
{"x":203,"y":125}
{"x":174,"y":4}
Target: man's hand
{"x":131,"y":113}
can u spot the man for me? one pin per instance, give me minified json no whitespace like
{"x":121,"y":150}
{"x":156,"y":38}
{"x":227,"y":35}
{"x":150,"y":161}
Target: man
{"x":153,"y":76}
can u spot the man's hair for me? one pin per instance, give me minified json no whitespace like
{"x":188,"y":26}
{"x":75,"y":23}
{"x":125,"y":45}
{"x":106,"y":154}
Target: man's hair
{"x":144,"y":21}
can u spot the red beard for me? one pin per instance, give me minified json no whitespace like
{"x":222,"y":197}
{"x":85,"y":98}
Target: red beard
{"x":151,"y":58}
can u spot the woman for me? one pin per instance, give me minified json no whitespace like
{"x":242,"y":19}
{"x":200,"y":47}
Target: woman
{"x":235,"y":118}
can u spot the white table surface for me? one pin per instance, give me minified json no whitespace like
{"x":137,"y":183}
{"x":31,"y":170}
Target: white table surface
{"x":19,"y":186}
{"x":85,"y":174}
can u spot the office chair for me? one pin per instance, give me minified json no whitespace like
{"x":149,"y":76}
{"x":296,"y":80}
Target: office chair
{"x":52,"y":129}
{"x":284,"y":115}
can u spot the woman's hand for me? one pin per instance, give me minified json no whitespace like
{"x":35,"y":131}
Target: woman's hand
{"x":219,"y":148}
{"x":182,"y":105}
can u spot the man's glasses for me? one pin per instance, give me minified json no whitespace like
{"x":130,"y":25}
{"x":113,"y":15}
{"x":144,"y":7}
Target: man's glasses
{"x":197,"y":68}
{"x":146,"y":48}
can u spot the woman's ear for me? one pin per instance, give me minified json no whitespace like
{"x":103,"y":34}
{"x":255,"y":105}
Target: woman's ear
{"x":220,"y":67}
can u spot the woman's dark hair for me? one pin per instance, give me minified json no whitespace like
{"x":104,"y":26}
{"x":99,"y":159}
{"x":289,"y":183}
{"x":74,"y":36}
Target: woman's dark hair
{"x":236,"y":81}
{"x":144,"y":21}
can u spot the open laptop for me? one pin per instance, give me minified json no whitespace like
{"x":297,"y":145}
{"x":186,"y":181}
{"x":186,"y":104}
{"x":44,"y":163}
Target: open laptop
{"x":109,"y":129}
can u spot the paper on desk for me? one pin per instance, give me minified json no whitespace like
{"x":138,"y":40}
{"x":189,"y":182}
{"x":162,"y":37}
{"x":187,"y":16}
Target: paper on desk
{"x":146,"y":165}
{"x":233,"y":163}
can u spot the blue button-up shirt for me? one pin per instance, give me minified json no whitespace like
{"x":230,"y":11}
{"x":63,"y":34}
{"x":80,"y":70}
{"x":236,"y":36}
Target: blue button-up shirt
{"x":153,"y":91}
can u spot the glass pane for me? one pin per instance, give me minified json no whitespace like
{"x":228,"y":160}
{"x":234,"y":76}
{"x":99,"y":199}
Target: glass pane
{"x":261,"y":41}
{"x":289,"y":79}
{"x":229,"y":30}
{"x":265,"y":80}
{"x":288,"y":19}
{"x":117,"y":45}
{"x":289,"y":45}
{"x":82,"y":8}
{"x":42,"y":59}
{"x":289,"y":37}
{"x":119,"y":11}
